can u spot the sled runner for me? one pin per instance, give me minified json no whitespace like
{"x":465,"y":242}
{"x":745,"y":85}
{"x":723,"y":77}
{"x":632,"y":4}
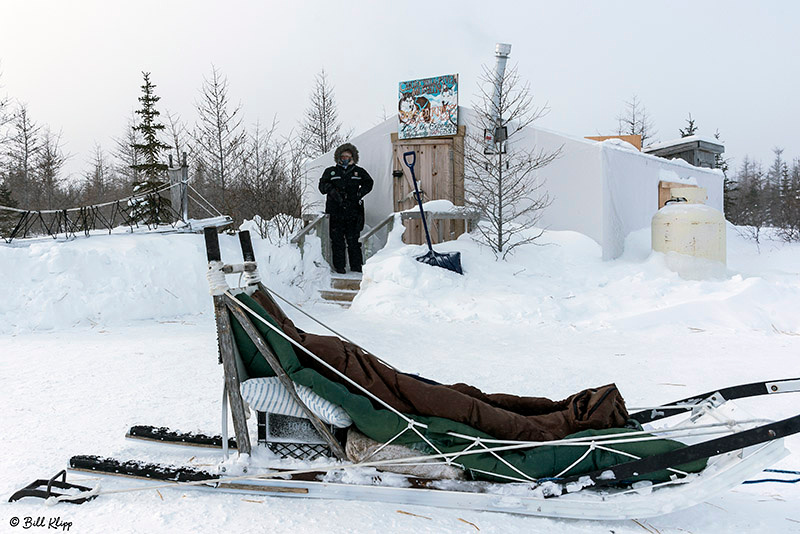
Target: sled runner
{"x":595,"y":461}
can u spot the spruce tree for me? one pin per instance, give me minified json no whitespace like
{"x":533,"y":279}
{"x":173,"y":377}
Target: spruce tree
{"x":730,"y":187}
{"x":8,"y":219}
{"x":154,"y":208}
{"x":690,"y":129}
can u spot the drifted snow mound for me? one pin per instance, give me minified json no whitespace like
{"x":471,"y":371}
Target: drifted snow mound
{"x":562,"y":280}
{"x":113,"y":279}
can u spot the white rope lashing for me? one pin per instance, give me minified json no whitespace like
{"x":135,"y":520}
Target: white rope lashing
{"x":217,"y":285}
{"x":474,"y":445}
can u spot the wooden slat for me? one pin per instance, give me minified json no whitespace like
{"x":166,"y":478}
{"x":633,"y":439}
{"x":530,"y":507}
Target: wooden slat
{"x":239,"y":313}
{"x":457,"y":157}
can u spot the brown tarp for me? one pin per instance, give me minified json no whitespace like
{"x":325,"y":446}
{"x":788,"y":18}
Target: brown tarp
{"x":499,"y":415}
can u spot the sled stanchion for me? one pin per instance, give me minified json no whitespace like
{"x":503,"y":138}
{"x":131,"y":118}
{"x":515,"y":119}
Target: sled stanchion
{"x":272,"y":360}
{"x":247,"y":246}
{"x":212,"y":244}
{"x":251,"y":277}
{"x":227,"y":356}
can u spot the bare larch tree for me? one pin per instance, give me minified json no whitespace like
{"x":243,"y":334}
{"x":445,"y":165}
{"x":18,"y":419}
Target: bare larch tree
{"x":49,"y":163}
{"x":21,"y":150}
{"x":179,"y":138}
{"x":100,"y":183}
{"x":503,"y":185}
{"x":269,"y":182}
{"x":320,"y":129}
{"x":219,"y":139}
{"x":127,"y":158}
{"x":634,"y":120}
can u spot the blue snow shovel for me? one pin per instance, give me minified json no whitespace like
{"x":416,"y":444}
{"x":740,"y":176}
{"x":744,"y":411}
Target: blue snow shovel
{"x":450,"y":260}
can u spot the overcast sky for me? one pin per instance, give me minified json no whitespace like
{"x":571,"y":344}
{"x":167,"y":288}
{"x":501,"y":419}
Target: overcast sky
{"x":733,"y":65}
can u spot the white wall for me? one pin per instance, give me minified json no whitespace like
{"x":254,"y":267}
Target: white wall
{"x":375,"y":155}
{"x":630,"y":192}
{"x":574,"y":183}
{"x":598,"y":189}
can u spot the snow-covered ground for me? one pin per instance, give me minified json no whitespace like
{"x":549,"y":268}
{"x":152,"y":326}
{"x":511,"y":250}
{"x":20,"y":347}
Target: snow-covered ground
{"x":99,"y":334}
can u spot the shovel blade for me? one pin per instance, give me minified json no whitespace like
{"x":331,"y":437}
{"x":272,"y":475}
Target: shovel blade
{"x":450,"y":260}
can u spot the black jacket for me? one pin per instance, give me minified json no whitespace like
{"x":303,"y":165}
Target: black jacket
{"x":345,"y":188}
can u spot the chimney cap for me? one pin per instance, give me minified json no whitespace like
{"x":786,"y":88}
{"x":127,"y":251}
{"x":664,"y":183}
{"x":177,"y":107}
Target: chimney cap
{"x":502,"y":50}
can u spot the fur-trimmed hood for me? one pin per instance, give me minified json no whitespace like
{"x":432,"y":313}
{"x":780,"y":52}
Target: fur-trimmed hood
{"x":348,"y":147}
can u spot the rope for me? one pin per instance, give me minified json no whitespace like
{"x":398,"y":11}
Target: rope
{"x":204,"y":199}
{"x":218,"y":286}
{"x":250,"y":278}
{"x":104,"y":204}
{"x":326,"y":327}
{"x":646,"y":435}
{"x":416,"y":460}
{"x":201,"y":206}
{"x":216,"y":279}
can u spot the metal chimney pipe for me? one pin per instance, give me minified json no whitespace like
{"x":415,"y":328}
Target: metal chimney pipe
{"x":501,"y":52}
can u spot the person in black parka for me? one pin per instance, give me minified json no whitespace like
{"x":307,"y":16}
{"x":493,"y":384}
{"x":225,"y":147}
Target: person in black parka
{"x":345,"y":185}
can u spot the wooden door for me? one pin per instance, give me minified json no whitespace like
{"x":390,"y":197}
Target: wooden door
{"x":439,"y":170}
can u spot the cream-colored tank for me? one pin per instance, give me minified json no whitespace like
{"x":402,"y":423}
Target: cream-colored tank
{"x":690,"y":228}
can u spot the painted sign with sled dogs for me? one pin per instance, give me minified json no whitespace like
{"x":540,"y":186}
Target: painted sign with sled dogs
{"x":428,"y":107}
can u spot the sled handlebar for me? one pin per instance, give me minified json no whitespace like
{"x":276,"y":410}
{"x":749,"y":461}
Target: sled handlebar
{"x":247,"y":246}
{"x":212,"y":244}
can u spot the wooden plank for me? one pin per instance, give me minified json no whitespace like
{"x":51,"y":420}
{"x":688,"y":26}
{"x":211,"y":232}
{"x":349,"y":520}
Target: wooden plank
{"x":665,"y":191}
{"x":635,"y":140}
{"x":436,"y":215}
{"x":457,"y":156}
{"x":423,"y":141}
{"x":225,"y":341}
{"x":261,"y":488}
{"x":241,"y":315}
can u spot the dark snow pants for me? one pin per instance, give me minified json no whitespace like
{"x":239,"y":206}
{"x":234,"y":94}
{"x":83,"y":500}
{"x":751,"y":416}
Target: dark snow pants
{"x":344,"y":231}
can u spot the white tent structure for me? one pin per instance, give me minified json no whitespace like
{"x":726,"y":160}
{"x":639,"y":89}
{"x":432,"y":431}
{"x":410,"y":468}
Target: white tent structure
{"x":604,"y":190}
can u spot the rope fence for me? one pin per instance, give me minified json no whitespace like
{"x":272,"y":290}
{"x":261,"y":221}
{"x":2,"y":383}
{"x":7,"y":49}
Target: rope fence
{"x":151,"y":209}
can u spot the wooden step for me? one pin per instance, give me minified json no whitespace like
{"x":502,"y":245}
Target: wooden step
{"x":338,"y":295}
{"x":344,"y":288}
{"x":351,"y":284}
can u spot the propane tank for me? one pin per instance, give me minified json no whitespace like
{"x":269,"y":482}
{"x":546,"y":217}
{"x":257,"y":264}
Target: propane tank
{"x":689,"y":227}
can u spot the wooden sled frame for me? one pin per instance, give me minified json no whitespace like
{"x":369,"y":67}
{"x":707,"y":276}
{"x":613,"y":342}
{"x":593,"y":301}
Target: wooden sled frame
{"x":224,"y":307}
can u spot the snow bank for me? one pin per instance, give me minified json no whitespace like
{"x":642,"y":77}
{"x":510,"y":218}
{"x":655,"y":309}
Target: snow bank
{"x":118,"y":278}
{"x":564,"y":280}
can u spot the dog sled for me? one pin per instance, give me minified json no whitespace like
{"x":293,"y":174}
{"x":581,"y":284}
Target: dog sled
{"x":357,"y":429}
